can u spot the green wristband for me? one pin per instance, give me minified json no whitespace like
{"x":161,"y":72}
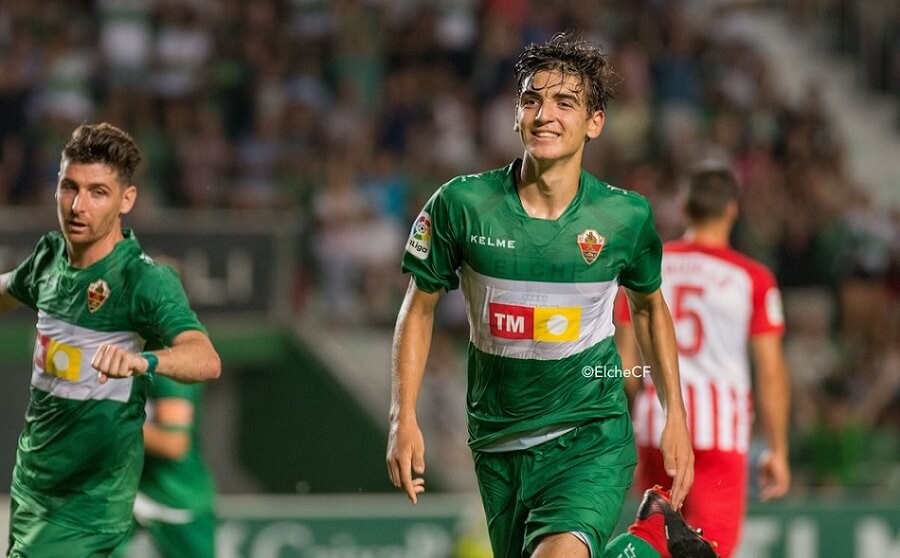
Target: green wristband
{"x":152,"y":363}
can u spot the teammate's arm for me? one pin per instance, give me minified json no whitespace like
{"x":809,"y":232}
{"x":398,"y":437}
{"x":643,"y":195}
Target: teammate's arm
{"x":773,"y":391}
{"x":7,"y":301}
{"x":190,"y":358}
{"x":412,"y":341}
{"x":168,"y":434}
{"x":655,"y":335}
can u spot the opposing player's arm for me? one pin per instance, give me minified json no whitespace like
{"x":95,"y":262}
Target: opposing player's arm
{"x":190,"y":358}
{"x":773,"y":390}
{"x":412,"y":341}
{"x":168,"y":435}
{"x":655,"y":336}
{"x":7,"y":301}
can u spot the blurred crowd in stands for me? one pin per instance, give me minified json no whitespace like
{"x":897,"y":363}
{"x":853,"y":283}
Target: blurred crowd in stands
{"x":351,"y":112}
{"x":866,"y":32}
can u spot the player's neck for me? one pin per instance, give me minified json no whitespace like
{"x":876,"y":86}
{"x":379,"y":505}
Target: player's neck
{"x":714,"y":235}
{"x":82,"y":256}
{"x":546,"y":192}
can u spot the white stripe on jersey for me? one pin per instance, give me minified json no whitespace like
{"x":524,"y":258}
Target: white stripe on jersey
{"x":727,"y":405}
{"x":62,"y":360}
{"x":593,"y":302}
{"x":701,"y":415}
{"x":642,"y":417}
{"x":743,"y":418}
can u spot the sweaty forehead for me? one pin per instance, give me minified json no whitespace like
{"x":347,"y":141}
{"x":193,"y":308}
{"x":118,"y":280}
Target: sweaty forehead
{"x":93,"y":172}
{"x":554,"y":82}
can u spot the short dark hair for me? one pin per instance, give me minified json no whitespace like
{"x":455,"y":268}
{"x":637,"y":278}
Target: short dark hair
{"x":571,"y":55}
{"x":709,"y":192}
{"x":104,"y":143}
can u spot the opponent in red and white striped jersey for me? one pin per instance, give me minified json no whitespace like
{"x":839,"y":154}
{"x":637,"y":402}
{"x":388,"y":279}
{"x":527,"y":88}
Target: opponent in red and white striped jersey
{"x":726,"y":308}
{"x":719,"y":299}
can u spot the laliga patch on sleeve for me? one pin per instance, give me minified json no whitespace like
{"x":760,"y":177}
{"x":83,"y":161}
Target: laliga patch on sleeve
{"x":419,"y":243}
{"x":774,"y":310}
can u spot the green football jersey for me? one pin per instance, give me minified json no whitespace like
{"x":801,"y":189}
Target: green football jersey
{"x":80,"y":453}
{"x":185,"y":484}
{"x":539,"y":296}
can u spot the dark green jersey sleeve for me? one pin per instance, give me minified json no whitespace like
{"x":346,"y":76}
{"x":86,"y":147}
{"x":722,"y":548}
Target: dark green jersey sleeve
{"x":643,"y":271}
{"x":161,"y":307}
{"x":164,"y":388}
{"x":23,"y":280}
{"x":433,"y":253}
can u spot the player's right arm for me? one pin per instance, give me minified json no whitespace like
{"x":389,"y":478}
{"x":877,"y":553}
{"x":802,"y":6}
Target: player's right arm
{"x":412,"y":341}
{"x":190,"y":358}
{"x":655,"y":336}
{"x":7,"y":301}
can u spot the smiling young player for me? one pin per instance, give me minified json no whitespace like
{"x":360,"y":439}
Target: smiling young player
{"x":539,"y":248}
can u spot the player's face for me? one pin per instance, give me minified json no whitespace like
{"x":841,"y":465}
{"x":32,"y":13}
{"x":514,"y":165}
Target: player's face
{"x":91,"y":201}
{"x":552,"y":117}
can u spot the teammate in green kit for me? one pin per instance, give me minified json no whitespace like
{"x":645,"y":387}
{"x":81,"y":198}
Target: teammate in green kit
{"x":539,"y":248}
{"x":175,"y":497}
{"x":99,"y":301}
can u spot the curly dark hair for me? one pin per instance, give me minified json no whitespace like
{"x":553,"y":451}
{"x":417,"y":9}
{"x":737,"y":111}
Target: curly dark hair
{"x":104,"y":143}
{"x":571,"y":55}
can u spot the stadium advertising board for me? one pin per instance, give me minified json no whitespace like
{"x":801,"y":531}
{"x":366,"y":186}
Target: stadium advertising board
{"x":838,"y":529}
{"x":348,"y":526}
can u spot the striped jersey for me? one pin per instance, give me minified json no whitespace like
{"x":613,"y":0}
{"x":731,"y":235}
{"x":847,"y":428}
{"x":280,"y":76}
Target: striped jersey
{"x":719,"y":299}
{"x":80,"y":454}
{"x":539,"y":296}
{"x":177,"y":488}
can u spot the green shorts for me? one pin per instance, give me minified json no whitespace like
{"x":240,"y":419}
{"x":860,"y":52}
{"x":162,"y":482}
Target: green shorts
{"x":575,"y":483}
{"x":31,"y":536}
{"x":196,"y":539}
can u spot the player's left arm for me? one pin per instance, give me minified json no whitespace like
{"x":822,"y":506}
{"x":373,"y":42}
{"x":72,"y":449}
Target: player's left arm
{"x":168,"y":434}
{"x":773,"y":395}
{"x":190,"y":358}
{"x":655,"y":335}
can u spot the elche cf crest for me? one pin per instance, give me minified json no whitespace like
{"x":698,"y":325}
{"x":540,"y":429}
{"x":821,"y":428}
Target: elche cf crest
{"x":591,"y":243}
{"x":98,"y":292}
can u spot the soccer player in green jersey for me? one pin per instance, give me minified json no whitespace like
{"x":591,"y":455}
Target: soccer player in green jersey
{"x":100,"y":300}
{"x":175,"y":497}
{"x":540,"y":248}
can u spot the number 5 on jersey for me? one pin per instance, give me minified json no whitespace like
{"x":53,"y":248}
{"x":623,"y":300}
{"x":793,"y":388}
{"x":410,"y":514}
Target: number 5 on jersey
{"x":688,"y":345}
